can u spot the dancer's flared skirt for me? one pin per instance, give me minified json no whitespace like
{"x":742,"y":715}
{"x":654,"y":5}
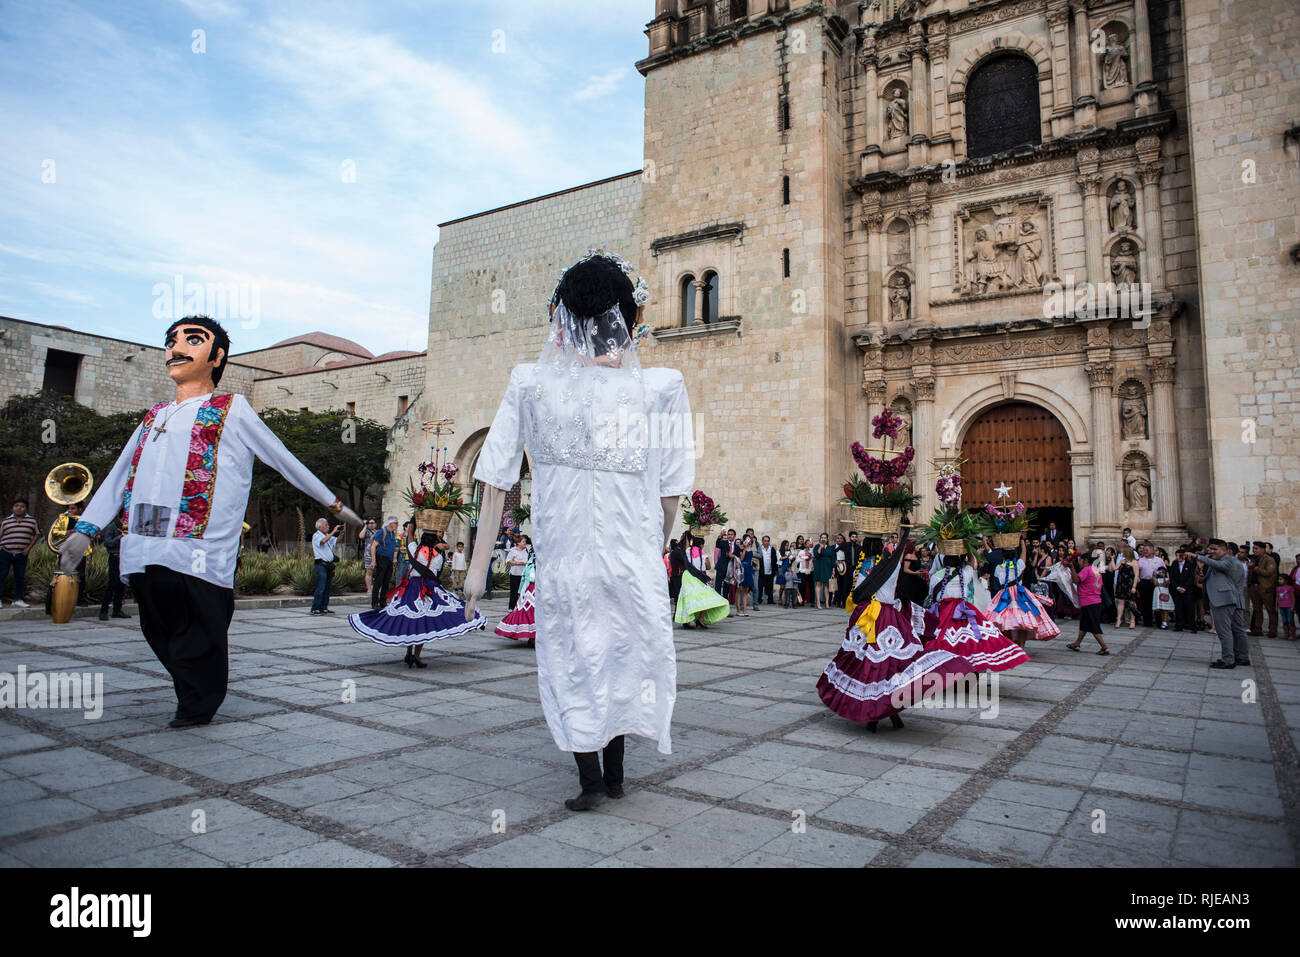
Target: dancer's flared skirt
{"x":521,"y":624}
{"x":871,"y":680}
{"x":960,"y":627}
{"x":1016,"y":608}
{"x":697,"y":598}
{"x":418,"y":611}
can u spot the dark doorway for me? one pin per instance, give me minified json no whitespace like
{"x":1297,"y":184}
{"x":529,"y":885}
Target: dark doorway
{"x":61,"y":372}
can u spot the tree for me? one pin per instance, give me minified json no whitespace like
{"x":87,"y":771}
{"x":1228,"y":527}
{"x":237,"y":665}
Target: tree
{"x":346,"y":453}
{"x":38,"y":432}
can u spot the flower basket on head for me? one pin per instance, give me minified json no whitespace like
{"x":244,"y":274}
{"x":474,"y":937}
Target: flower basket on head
{"x":438,"y":499}
{"x":951,"y":530}
{"x":701,"y":514}
{"x":878,"y":502}
{"x":1006,"y":526}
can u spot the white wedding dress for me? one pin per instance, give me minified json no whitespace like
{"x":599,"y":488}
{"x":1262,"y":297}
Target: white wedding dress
{"x":606,"y":664}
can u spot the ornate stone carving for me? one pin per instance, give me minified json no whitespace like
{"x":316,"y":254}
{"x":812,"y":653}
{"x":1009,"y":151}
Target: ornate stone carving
{"x":1161,"y":368}
{"x":899,"y":245}
{"x":1132,"y":412}
{"x":1137,"y":482}
{"x":900,"y":298}
{"x":1100,"y":374}
{"x":903,"y":409}
{"x":1123,"y":208}
{"x":1002,"y":245}
{"x":873,"y":385}
{"x":1114,"y":64}
{"x":1124,"y":263}
{"x":896,"y":122}
{"x":1150,"y":173}
{"x":1009,"y":347}
{"x":924,"y":389}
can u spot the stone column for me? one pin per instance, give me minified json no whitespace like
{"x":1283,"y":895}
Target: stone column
{"x":919,"y":107}
{"x":925,"y":441}
{"x":921,"y":292}
{"x":1089,"y":180}
{"x":701,"y":290}
{"x":871,"y":98}
{"x":1085,"y":97}
{"x":1150,"y":170}
{"x":941,"y":123}
{"x":1147,"y":100}
{"x":1105,"y":511}
{"x":1058,"y":28}
{"x":873,"y":384}
{"x":874,"y":220}
{"x":1169,"y":496}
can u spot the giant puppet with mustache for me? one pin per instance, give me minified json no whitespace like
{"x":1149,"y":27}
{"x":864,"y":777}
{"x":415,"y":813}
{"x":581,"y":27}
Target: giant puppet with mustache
{"x":181,"y":484}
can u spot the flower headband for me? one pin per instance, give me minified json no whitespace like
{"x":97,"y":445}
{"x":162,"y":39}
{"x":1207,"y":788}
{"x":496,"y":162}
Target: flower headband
{"x":640,"y":292}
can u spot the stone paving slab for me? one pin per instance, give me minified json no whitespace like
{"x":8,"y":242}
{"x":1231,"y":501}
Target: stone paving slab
{"x":329,"y":753}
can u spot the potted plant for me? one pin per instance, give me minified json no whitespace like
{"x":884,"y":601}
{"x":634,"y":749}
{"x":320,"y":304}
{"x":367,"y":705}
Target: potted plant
{"x":438,"y":499}
{"x":951,"y":529}
{"x":701,"y":513}
{"x":878,"y":500}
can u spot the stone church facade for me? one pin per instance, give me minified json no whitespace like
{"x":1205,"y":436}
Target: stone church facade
{"x":1002,"y":218}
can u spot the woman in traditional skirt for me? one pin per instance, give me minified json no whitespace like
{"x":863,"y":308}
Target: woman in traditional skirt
{"x":955,"y":624}
{"x":882,"y":666}
{"x":521,"y":624}
{"x":698,"y":603}
{"x":1017,"y":610}
{"x":419,"y":610}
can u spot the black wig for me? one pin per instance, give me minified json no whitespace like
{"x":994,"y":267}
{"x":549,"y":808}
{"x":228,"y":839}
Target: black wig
{"x":220,"y":340}
{"x":594,"y":286}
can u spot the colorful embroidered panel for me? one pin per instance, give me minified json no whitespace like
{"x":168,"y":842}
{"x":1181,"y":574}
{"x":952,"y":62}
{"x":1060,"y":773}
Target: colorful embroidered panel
{"x":135,"y":458}
{"x":201,"y":469}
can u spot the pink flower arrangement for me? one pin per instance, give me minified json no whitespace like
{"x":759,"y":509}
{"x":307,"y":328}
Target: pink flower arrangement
{"x":881,"y":471}
{"x":949,"y":491}
{"x":886,"y":424}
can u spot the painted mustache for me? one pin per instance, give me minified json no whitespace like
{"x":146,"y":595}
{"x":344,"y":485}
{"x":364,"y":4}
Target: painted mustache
{"x":178,"y":360}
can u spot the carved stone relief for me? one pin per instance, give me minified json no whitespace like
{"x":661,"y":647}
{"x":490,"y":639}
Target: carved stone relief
{"x":1003,"y":245}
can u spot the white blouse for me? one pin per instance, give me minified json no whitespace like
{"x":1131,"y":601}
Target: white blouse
{"x":203,"y":544}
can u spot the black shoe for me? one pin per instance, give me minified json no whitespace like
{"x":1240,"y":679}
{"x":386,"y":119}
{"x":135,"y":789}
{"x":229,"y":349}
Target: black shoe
{"x":417,"y":663}
{"x":103,"y":616}
{"x":409,"y":658}
{"x":179,"y":722}
{"x":1242,"y":664}
{"x":315,"y":612}
{"x":585,"y":801}
{"x":896,"y":721}
{"x":1220,"y":664}
{"x":329,"y":611}
{"x":871,"y":726}
{"x":119,"y":613}
{"x":616,"y":791}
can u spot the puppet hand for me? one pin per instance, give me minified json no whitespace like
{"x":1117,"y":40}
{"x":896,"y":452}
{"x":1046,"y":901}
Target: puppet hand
{"x":475,"y":586}
{"x":350,"y":517}
{"x":72,"y":551}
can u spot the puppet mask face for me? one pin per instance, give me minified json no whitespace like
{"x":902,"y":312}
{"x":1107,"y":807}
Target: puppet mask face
{"x":189,"y":355}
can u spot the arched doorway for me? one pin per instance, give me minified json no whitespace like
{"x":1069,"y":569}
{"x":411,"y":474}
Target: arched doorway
{"x":1026,"y":447}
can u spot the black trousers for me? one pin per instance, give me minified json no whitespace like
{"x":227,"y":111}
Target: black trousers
{"x":589,"y":772}
{"x":1184,"y":608}
{"x":186,"y":622}
{"x":115,"y":591}
{"x":765,"y":586}
{"x":514,"y":590}
{"x":1146,"y":588}
{"x":383,"y":572}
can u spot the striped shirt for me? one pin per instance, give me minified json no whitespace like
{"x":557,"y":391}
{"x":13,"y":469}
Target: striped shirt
{"x":17,"y":534}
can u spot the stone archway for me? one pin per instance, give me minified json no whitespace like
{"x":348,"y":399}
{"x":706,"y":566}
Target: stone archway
{"x":1027,"y":447}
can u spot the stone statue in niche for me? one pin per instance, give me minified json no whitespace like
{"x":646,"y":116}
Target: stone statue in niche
{"x":1114,"y":64}
{"x":904,"y":414}
{"x":899,"y":243}
{"x":900,"y":299}
{"x":1133,"y":415}
{"x":1029,"y":253}
{"x":896,"y":115}
{"x":1137,"y":488}
{"x":1123,"y":209}
{"x":1124,"y":264}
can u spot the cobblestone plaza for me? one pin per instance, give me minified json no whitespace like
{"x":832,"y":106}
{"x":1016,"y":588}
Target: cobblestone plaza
{"x":1145,"y":758}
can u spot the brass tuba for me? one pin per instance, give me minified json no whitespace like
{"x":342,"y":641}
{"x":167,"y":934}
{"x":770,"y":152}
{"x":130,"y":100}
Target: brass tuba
{"x":66,"y":485}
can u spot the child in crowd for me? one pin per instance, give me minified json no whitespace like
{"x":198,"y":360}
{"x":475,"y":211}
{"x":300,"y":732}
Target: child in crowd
{"x":1162,"y":599}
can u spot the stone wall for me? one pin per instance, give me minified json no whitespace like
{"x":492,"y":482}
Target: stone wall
{"x":1245,"y":96}
{"x":492,"y":275}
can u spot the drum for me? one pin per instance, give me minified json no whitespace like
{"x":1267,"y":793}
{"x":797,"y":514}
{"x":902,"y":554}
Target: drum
{"x":63,"y":597}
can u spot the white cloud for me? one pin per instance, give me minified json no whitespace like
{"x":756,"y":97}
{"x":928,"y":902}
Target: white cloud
{"x":598,"y":86}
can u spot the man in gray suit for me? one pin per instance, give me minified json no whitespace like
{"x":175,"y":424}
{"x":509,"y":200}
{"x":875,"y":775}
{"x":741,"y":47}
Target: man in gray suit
{"x":1225,"y":593}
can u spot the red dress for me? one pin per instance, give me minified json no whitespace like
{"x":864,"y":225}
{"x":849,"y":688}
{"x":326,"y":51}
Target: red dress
{"x":958,"y":626}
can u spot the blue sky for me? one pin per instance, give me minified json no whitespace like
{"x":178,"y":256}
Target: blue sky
{"x":127,"y":158}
